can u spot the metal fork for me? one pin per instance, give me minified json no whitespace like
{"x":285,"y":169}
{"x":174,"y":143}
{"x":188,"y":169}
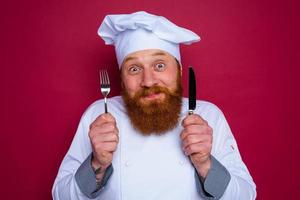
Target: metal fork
{"x":105,"y":86}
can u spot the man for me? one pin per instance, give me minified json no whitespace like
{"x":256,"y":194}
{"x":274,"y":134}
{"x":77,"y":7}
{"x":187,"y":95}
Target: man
{"x":147,"y":146}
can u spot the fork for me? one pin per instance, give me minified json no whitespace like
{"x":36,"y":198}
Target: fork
{"x":105,"y":86}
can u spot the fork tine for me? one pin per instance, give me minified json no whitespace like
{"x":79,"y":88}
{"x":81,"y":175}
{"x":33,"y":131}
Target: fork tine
{"x":106,"y":77}
{"x":100,"y":75}
{"x":104,"y":86}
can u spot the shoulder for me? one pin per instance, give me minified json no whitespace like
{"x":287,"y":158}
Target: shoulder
{"x":208,"y":107}
{"x":203,"y":106}
{"x":205,"y":109}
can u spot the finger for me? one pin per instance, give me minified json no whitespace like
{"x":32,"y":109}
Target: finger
{"x":194,"y":139}
{"x":199,"y":148}
{"x":103,"y":158}
{"x":193,"y":119}
{"x":107,"y":137}
{"x":106,"y":146}
{"x":103,"y":118}
{"x":105,"y":127}
{"x":196,"y":130}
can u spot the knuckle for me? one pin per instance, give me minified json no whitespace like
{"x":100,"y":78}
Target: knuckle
{"x":189,"y":139}
{"x":191,"y":148}
{"x":116,"y":129}
{"x":99,"y":119}
{"x":208,"y":147}
{"x":98,"y":147}
{"x":92,"y":125}
{"x":90,"y":134}
{"x":102,"y":118}
{"x":92,"y":138}
{"x":114,"y":147}
{"x":207,"y":129}
{"x":185,"y":134}
{"x":182,"y":134}
{"x":210,"y":129}
{"x":196,"y":116}
{"x":183,"y":122}
{"x":189,"y":129}
{"x":115,"y":137}
{"x":109,"y":117}
{"x":183,"y":144}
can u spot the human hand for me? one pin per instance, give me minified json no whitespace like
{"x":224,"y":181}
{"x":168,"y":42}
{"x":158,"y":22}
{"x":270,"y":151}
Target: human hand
{"x":197,"y":142}
{"x":104,"y":136}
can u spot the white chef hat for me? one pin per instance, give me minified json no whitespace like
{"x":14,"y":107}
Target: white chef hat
{"x":140,"y":30}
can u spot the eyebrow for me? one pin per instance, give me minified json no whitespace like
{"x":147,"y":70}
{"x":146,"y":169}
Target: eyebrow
{"x":159,"y":54}
{"x":129,"y":58}
{"x":153,"y":54}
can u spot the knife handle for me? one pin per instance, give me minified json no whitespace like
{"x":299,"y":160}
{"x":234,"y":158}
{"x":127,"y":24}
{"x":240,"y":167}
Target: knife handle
{"x":191,"y":112}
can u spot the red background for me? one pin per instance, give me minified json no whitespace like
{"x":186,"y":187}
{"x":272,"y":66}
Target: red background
{"x":247,"y":63}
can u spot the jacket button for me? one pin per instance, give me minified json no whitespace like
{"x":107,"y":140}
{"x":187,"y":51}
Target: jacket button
{"x":127,"y":163}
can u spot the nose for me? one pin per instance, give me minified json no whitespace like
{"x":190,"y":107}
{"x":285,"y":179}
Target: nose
{"x":148,"y":78}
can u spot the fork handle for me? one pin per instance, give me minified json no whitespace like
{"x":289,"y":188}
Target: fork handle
{"x":105,"y":105}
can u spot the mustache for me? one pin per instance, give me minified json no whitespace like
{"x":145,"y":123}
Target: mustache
{"x":151,"y":90}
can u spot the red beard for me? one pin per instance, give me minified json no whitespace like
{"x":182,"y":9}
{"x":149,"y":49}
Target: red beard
{"x":156,"y":116}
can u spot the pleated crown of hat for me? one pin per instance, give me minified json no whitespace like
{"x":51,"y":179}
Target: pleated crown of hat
{"x":140,"y":31}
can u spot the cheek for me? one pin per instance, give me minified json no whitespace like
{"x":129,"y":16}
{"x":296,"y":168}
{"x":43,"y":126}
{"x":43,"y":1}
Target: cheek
{"x":131,"y":86}
{"x":171,"y":81}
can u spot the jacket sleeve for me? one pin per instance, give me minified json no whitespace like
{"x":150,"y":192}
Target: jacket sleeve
{"x":75,"y":165}
{"x":86,"y":179}
{"x":215,"y":183}
{"x":225,"y":151}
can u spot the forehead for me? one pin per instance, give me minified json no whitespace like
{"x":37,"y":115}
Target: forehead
{"x":146,"y":55}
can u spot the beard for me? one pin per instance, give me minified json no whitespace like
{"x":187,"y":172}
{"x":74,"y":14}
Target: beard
{"x":155,"y":116}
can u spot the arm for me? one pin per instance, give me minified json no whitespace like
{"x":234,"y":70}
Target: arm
{"x":76,"y":178}
{"x":216,"y":181}
{"x":225,"y":150}
{"x":218,"y":164}
{"x":89,"y":182}
{"x":65,"y":185}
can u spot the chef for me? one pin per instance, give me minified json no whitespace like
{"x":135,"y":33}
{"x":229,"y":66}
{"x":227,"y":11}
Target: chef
{"x":147,"y":147}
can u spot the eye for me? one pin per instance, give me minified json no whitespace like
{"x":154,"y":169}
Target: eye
{"x":134,"y":69}
{"x":160,"y":66}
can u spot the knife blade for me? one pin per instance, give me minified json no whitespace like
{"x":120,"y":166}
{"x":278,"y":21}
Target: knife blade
{"x":192,"y":91}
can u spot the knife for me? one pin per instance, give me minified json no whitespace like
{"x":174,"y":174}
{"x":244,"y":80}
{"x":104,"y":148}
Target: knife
{"x":192,"y":91}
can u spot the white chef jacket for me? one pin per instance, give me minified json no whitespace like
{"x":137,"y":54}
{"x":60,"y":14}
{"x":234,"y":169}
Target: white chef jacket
{"x":153,"y":167}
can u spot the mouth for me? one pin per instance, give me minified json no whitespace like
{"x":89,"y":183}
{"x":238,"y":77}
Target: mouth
{"x":153,"y":97}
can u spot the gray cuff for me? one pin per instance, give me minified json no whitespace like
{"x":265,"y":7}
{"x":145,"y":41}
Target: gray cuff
{"x":215,"y":183}
{"x":86,"y":179}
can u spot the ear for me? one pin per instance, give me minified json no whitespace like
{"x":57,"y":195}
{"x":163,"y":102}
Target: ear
{"x":179,"y":66}
{"x":121,"y":77}
{"x":122,"y":84}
